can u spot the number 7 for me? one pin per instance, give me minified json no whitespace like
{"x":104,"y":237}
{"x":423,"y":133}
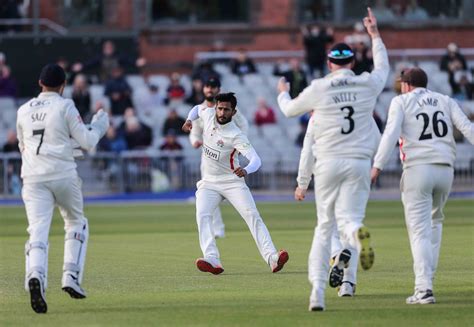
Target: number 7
{"x":39,"y":132}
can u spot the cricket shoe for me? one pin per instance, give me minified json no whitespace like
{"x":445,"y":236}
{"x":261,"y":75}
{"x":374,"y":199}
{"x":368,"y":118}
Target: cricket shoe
{"x":366,"y":251}
{"x":336,"y":273}
{"x":278,"y":260}
{"x":71,"y":286}
{"x":37,"y":298}
{"x":421,"y":297}
{"x":209,"y":265}
{"x":316,"y":300}
{"x":346,"y":289}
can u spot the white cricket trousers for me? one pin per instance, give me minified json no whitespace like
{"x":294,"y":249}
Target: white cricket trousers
{"x":425,"y":190}
{"x":342,"y":191}
{"x":40,"y":200}
{"x":208,"y":197}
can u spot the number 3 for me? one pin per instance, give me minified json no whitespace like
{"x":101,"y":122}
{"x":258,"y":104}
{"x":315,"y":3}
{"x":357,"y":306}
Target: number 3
{"x":39,"y":132}
{"x":348,"y":117}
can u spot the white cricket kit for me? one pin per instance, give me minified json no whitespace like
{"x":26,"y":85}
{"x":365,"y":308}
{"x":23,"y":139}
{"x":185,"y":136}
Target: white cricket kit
{"x":345,"y":137}
{"x":196,"y":136}
{"x":221,"y":145}
{"x":305,"y":171}
{"x":45,"y":125}
{"x":422,"y":121}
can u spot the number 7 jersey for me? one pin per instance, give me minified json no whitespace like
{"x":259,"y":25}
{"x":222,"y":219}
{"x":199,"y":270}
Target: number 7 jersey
{"x":423,"y":121}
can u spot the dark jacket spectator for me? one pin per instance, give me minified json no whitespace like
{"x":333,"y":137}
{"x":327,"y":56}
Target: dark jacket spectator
{"x":8,"y":86}
{"x":463,"y":88}
{"x":295,"y":76}
{"x":170,"y":143}
{"x":119,"y":92}
{"x":173,"y":123}
{"x":137,"y":134}
{"x":452,"y":62}
{"x":315,"y":40}
{"x":81,"y":96}
{"x":242,"y":65}
{"x":363,"y":61}
{"x":204,"y":71}
{"x":112,"y":141}
{"x":196,"y":97}
{"x":11,"y":145}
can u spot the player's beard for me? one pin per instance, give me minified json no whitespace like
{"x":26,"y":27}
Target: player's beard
{"x":224,"y":120}
{"x":209,"y":98}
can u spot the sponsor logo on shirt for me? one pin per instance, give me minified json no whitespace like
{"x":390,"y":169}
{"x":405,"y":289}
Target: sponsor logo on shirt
{"x":211,"y":153}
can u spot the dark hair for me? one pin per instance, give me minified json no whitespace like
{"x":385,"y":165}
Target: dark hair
{"x":52,"y":75}
{"x":227,"y":97}
{"x":414,"y":77}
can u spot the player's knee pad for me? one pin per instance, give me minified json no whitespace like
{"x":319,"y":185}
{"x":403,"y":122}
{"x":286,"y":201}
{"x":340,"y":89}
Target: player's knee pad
{"x":75,"y":248}
{"x":36,"y":259}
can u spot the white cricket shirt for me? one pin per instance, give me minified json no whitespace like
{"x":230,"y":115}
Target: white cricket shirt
{"x":423,"y":122}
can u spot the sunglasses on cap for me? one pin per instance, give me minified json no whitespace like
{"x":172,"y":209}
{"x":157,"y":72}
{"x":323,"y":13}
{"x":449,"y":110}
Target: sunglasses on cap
{"x":340,"y":54}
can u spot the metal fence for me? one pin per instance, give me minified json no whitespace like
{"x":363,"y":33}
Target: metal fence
{"x":161,"y":171}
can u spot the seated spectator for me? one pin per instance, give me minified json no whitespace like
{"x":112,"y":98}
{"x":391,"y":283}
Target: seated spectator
{"x":108,"y":60}
{"x":173,"y":123}
{"x":119,"y":92}
{"x":415,"y":13}
{"x":363,"y":61}
{"x":196,"y":97}
{"x":295,"y":76}
{"x":463,"y":88}
{"x":204,"y":71}
{"x":264,"y":114}
{"x":242,"y":65}
{"x":112,"y":142}
{"x":64,"y":64}
{"x":11,"y":145}
{"x":81,"y":96}
{"x":8,"y":86}
{"x":175,"y":91}
{"x":137,"y":134}
{"x":171,"y":143}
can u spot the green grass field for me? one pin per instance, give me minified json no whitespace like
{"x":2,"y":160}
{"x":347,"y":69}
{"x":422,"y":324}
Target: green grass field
{"x":140,"y":271}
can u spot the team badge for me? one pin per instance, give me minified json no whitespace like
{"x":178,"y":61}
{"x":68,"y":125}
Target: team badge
{"x":220,"y":143}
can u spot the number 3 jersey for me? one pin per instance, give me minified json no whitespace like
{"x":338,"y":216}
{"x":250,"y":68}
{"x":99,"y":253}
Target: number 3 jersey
{"x":221,"y":147}
{"x":45,"y":125}
{"x":343,"y":105}
{"x":423,"y":122}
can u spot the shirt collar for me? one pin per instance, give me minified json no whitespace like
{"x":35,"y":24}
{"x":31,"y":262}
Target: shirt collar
{"x":342,"y":71}
{"x":48,"y":94}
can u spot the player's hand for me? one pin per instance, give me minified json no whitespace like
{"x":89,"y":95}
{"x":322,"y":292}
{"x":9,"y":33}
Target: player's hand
{"x":197,"y":144}
{"x":101,"y":122}
{"x":283,"y":85}
{"x":370,"y":23}
{"x":300,"y":194}
{"x":187,"y":126}
{"x":240,"y":172}
{"x":374,"y":174}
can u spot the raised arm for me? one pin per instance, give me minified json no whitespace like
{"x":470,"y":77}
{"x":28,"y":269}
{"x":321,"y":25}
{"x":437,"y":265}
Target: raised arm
{"x":299,"y":105}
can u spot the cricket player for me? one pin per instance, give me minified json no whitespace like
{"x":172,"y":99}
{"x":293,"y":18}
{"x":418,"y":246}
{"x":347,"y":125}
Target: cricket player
{"x":211,"y":88}
{"x":339,"y":256}
{"x":422,"y":121}
{"x":345,"y":139}
{"x":222,"y":178}
{"x":45,"y":125}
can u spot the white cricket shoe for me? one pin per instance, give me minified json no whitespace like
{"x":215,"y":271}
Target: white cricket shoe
{"x":421,"y":297}
{"x":346,"y":289}
{"x":210,"y":265}
{"x":316,"y":300}
{"x":71,"y":286}
{"x":278,"y":260}
{"x":37,"y":297}
{"x":336,"y":273}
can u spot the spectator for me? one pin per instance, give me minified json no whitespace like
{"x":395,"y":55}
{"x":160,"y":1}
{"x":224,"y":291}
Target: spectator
{"x":119,"y":92}
{"x":171,"y":143}
{"x":295,"y":76}
{"x":359,"y":35}
{"x":108,"y":60}
{"x":196,"y":97}
{"x":112,"y":142}
{"x":315,"y":40}
{"x":70,"y":75}
{"x":242,"y":64}
{"x":363,"y":61}
{"x":81,"y":96}
{"x":264,"y":114}
{"x":137,"y":134}
{"x":8,"y":86}
{"x":463,"y":88}
{"x":452,"y":62}
{"x":175,"y":91}
{"x":11,"y":145}
{"x":415,"y":13}
{"x":173,"y":123}
{"x":382,"y":12}
{"x":204,"y":71}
